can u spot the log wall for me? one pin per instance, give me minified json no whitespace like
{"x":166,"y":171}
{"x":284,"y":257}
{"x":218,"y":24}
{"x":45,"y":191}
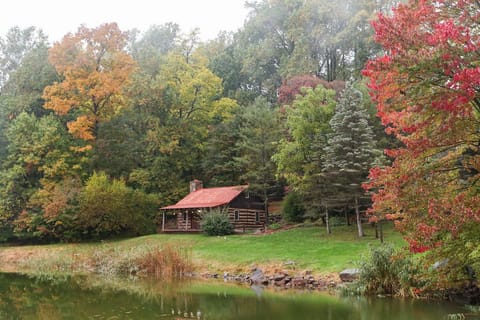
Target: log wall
{"x":247,"y":218}
{"x":192,"y":221}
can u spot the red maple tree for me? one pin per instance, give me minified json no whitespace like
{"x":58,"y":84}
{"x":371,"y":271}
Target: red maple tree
{"x":427,"y":91}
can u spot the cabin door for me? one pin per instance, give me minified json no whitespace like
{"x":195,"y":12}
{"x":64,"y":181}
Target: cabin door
{"x":195,"y":221}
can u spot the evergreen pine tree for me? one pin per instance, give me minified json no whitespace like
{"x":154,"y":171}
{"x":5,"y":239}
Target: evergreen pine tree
{"x":350,"y":151}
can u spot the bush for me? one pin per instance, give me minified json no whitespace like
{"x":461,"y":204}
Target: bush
{"x":108,"y":207}
{"x":293,"y":209}
{"x":336,"y":221}
{"x":385,"y":271}
{"x":216,"y":223}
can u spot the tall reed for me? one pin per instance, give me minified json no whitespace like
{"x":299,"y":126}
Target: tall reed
{"x":166,"y":262}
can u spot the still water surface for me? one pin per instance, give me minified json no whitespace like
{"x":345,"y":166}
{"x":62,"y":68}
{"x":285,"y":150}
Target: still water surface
{"x":22,"y":297}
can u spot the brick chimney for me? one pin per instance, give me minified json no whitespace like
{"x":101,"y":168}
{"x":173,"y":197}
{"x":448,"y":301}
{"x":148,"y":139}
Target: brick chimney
{"x":195,"y":185}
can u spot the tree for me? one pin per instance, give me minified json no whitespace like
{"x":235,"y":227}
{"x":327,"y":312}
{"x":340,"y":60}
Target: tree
{"x":426,"y":88}
{"x":24,"y":72}
{"x":351,"y":149}
{"x":292,"y":207}
{"x":293,"y":87}
{"x":225,"y":63}
{"x":15,"y":46}
{"x":179,"y":107}
{"x":94,"y":68}
{"x":299,"y":154}
{"x":24,"y":88}
{"x":257,"y":144}
{"x":155,"y":44}
{"x":38,"y":156}
{"x":51,"y":212}
{"x":218,"y":164}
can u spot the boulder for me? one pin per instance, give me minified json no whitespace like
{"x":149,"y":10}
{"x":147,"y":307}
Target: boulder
{"x":279,"y":276}
{"x":299,"y":282}
{"x":349,"y":275}
{"x":258,"y":277}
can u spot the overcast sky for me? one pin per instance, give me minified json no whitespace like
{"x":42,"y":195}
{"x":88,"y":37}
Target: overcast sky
{"x":58,"y":17}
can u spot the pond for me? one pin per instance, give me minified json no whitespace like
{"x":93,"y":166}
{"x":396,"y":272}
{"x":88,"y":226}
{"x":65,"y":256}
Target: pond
{"x":82,"y":297}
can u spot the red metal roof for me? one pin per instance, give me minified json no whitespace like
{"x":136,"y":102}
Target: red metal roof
{"x":208,"y":198}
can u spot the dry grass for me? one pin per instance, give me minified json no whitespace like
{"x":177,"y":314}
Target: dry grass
{"x":168,"y":262}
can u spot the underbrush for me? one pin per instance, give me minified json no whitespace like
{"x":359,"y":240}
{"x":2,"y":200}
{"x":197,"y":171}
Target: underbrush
{"x":386,"y":270}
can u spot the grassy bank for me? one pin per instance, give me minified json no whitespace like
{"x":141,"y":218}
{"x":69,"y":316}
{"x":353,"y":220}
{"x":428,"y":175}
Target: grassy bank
{"x":299,"y":248}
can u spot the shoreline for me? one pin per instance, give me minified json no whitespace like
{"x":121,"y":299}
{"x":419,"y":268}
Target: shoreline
{"x":283,"y":280}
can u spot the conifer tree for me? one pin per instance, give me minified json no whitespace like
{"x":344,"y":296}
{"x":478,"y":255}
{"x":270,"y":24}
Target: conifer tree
{"x":350,"y":151}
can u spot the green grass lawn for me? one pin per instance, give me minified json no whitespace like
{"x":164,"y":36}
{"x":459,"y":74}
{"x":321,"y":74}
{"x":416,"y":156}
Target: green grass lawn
{"x":299,"y":248}
{"x":308,"y":247}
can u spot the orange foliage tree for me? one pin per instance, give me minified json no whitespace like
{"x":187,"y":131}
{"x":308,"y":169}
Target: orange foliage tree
{"x":94,"y":67}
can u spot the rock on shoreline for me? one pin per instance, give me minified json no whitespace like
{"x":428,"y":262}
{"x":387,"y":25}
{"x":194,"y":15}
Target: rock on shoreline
{"x":280,"y":280}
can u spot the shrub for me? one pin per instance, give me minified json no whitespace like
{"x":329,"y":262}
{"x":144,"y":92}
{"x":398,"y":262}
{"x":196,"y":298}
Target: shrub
{"x":336,"y":221}
{"x":108,"y":207}
{"x":293,"y":209}
{"x":216,"y":223}
{"x":385,"y":271}
{"x":274,"y":226}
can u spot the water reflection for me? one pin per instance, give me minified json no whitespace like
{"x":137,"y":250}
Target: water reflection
{"x":92,"y":298}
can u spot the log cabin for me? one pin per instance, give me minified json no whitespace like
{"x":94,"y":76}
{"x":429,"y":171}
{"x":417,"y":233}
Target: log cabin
{"x":245,"y":211}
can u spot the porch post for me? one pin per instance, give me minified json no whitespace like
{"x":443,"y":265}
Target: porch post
{"x":163,"y":220}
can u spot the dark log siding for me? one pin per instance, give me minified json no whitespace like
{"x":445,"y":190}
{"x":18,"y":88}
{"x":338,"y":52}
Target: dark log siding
{"x":247,"y":201}
{"x":187,"y":220}
{"x":247,"y":218}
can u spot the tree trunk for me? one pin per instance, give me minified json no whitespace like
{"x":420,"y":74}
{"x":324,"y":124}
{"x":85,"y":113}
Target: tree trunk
{"x":381,"y":231}
{"x":265,"y":204}
{"x":346,"y":215}
{"x":359,"y":221}
{"x":327,"y":222}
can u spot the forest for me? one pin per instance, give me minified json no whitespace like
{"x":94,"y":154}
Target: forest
{"x":351,"y":104}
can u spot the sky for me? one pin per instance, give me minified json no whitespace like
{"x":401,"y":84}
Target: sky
{"x":58,"y":17}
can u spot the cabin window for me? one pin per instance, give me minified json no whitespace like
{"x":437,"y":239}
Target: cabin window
{"x":257,"y":216}
{"x":184,"y":216}
{"x":236,"y":214}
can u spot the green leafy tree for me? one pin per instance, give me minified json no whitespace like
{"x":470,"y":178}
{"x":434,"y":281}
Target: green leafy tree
{"x":180,"y":106}
{"x":299,"y":154}
{"x":226,"y":64}
{"x":293,"y":209}
{"x":351,"y":149}
{"x":24,"y":72}
{"x":119,"y":149}
{"x":16,"y":44}
{"x":219,"y":165}
{"x":258,"y":141}
{"x":154,"y":45}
